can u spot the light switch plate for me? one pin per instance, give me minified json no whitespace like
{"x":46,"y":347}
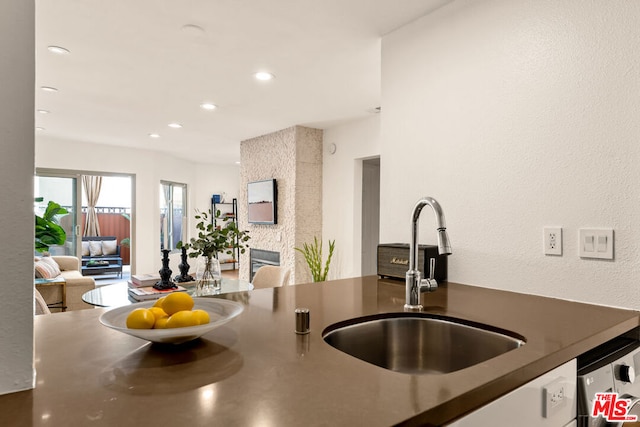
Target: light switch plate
{"x":596,"y":243}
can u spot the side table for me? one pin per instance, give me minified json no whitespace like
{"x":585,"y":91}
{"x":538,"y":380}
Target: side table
{"x":54,"y":292}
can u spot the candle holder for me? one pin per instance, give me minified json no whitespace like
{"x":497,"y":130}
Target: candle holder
{"x":165,"y":273}
{"x":184,"y":266}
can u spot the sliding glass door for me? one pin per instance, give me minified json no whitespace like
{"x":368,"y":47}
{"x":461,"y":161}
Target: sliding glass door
{"x":109,"y":196}
{"x":64,"y":190}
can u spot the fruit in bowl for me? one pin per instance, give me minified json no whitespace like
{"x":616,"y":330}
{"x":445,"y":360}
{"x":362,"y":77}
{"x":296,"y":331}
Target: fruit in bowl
{"x":190,"y":318}
{"x":171,"y":311}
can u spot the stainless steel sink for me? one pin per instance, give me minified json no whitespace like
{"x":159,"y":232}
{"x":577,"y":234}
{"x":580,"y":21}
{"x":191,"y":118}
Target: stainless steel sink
{"x":420,"y":343}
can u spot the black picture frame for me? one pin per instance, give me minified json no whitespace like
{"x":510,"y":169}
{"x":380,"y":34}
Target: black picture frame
{"x":262,"y":201}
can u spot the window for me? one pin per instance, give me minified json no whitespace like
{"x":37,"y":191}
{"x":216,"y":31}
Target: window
{"x":173,"y":207}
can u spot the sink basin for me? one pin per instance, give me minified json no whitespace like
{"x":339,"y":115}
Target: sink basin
{"x":420,"y":343}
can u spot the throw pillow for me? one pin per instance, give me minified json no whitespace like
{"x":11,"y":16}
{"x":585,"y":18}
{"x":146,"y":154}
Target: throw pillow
{"x":85,"y":249}
{"x":44,"y":270}
{"x":95,"y":247}
{"x":53,"y":264}
{"x":109,"y":247}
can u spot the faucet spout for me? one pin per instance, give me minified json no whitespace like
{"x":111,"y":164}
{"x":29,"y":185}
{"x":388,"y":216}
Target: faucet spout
{"x":414,"y":282}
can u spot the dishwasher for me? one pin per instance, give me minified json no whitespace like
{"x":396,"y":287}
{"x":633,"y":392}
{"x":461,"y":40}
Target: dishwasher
{"x":608,"y":384}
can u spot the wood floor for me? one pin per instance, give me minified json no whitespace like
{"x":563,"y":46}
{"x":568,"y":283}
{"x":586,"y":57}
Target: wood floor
{"x":231,"y":274}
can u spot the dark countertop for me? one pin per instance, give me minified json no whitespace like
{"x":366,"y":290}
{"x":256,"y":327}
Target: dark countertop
{"x":255,"y":370}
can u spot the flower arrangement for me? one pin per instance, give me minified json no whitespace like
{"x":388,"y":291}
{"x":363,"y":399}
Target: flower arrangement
{"x":214,"y":239}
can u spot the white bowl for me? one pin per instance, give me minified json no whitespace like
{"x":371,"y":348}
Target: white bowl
{"x":220,"y":312}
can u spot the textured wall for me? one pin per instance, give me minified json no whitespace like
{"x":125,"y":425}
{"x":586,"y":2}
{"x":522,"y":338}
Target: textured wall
{"x":516,"y":115}
{"x":17,"y":74}
{"x":293,"y":157}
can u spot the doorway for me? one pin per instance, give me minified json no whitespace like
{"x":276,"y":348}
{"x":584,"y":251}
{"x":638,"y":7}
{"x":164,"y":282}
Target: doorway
{"x":370,"y":215}
{"x":98,"y":204}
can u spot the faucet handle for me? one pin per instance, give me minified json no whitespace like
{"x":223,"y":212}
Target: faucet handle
{"x":430,"y":284}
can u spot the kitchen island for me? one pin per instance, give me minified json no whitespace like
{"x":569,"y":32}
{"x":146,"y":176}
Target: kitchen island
{"x":255,"y":371}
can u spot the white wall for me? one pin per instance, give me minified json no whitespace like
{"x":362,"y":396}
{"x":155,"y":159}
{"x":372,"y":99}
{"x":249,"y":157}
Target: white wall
{"x":342,"y":190}
{"x":516,"y":115}
{"x":215,"y":179}
{"x":149,"y":168}
{"x":17,"y":74}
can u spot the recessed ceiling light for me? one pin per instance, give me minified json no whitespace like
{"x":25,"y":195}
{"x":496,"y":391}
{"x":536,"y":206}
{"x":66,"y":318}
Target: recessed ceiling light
{"x":237,"y":163}
{"x":208,"y":106}
{"x":48,"y":89}
{"x":264,"y":76}
{"x":44,"y":111}
{"x":58,"y":49}
{"x":175,"y":125}
{"x":39,"y":128}
{"x":154,"y":135}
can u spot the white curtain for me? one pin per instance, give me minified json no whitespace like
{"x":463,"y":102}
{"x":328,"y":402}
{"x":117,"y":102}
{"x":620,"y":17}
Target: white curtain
{"x":166,"y":191}
{"x":92,"y":186}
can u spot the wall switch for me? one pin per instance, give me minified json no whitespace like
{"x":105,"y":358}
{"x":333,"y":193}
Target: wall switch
{"x":552,"y":240}
{"x":596,"y":243}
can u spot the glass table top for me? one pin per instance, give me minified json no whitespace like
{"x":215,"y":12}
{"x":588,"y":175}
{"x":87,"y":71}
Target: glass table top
{"x":116,"y":295}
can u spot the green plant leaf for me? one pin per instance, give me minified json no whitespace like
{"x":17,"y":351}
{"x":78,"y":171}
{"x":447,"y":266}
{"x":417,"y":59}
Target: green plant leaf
{"x":213,"y":240}
{"x":47,"y":230}
{"x":313,"y":256}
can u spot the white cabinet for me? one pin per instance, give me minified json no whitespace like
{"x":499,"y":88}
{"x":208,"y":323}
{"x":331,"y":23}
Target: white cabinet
{"x":547,"y":401}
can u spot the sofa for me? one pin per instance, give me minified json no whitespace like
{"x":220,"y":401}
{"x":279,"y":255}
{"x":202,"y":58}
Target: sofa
{"x":76,"y":284}
{"x":101,"y":255}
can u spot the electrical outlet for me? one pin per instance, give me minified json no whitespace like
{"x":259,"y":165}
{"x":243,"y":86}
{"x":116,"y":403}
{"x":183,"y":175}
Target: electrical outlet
{"x":552,"y":240}
{"x":554,"y":398}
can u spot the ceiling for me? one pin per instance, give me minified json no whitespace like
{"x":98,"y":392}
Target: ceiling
{"x":136,"y":66}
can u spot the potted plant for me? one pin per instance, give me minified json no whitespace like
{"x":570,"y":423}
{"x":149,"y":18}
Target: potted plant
{"x":212,"y":240}
{"x":313,"y":255}
{"x":126,"y":242}
{"x":48,"y":231}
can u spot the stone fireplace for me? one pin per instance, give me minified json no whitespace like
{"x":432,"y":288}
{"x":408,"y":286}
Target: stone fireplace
{"x":261,"y":257}
{"x":293,"y":157}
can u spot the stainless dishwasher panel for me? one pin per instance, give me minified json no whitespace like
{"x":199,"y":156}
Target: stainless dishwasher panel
{"x":610,"y":368}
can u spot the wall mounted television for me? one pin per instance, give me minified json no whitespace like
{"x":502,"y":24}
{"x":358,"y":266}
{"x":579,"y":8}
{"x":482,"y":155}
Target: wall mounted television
{"x":263,"y":202}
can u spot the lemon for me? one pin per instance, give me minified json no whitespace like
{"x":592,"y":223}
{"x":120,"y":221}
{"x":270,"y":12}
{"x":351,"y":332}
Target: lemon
{"x":182,"y":319}
{"x":202,"y":316}
{"x":140,"y":318}
{"x":161,"y":323}
{"x":158,"y":302}
{"x":160,"y":317}
{"x":157,"y":312}
{"x":177,"y":301}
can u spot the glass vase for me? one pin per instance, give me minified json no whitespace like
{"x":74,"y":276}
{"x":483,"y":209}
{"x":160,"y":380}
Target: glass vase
{"x":208,"y":276}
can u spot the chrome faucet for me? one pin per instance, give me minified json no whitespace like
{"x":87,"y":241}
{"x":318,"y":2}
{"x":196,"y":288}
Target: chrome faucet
{"x":414,"y":283}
